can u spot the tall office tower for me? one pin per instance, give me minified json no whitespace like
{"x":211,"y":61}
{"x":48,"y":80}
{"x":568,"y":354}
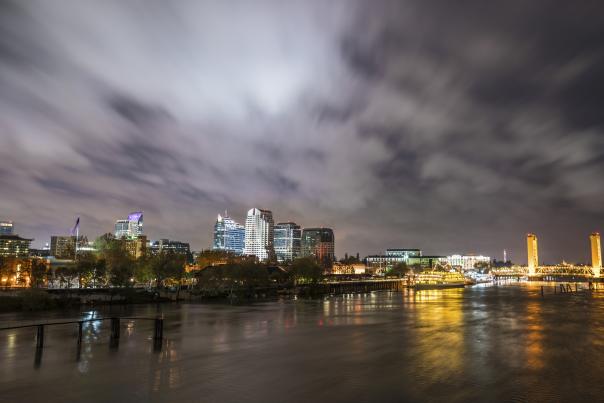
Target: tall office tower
{"x":288,"y":241}
{"x":228,"y":235}
{"x":135,"y":221}
{"x":533,"y":255}
{"x":122,"y":229}
{"x":259,"y":234}
{"x":319,"y":243}
{"x":596,"y":253}
{"x":6,"y":228}
{"x":130,"y":228}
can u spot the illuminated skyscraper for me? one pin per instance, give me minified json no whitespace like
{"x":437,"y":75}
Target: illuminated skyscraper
{"x":596,"y":253}
{"x":122,"y":229}
{"x":287,"y":241}
{"x":228,"y":235}
{"x":533,"y":256}
{"x":130,"y":228}
{"x":319,"y":243}
{"x":259,"y":234}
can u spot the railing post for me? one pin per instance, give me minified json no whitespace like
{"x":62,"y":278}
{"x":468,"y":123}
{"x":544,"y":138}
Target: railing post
{"x":115,"y":328}
{"x":40,"y":337}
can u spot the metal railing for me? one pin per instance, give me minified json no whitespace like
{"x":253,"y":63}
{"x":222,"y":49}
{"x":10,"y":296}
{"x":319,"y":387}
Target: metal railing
{"x":114,"y":334}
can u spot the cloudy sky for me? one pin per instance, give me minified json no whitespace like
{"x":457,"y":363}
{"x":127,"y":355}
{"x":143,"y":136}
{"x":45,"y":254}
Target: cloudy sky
{"x":448,"y":126}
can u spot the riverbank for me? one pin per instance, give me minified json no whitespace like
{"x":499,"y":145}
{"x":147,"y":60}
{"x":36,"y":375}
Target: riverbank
{"x":48,"y":299}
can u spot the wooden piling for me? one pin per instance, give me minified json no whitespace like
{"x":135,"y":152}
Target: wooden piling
{"x":80,"y":325}
{"x":115,"y":328}
{"x":40,"y":337}
{"x":159,"y":328}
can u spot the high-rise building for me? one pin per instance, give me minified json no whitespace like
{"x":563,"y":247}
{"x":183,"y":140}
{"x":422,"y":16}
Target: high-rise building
{"x":131,"y":227}
{"x":596,"y":253}
{"x":288,"y":241}
{"x":228,"y":235}
{"x":64,"y":246}
{"x":14,"y":246}
{"x":320,"y":244}
{"x":122,"y":229}
{"x":259,"y":234}
{"x":533,"y":255}
{"x":6,"y":228}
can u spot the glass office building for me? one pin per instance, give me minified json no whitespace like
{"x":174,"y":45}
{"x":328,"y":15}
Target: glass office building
{"x":288,"y":241}
{"x":228,"y":235}
{"x":320,"y":244}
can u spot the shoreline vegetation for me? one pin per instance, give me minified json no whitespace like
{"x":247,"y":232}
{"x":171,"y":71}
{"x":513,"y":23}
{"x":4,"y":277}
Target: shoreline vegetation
{"x":113,"y":276}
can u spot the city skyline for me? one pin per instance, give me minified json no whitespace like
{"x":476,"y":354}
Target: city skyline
{"x":397,"y":124}
{"x":529,"y":240}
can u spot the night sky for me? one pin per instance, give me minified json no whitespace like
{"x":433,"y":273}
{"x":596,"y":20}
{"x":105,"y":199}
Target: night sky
{"x":454,"y":126}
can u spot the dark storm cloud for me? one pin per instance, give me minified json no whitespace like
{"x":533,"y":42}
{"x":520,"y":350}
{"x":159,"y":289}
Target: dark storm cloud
{"x":451,"y":126}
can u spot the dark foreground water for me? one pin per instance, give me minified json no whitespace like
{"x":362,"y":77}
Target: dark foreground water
{"x":484,"y":344}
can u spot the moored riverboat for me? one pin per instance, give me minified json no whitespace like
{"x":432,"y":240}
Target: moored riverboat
{"x":438,"y":279}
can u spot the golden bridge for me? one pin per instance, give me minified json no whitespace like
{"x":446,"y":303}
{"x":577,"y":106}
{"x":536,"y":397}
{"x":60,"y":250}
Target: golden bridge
{"x":563,"y":271}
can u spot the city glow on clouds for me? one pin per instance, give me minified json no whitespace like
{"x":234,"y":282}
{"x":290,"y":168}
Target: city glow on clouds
{"x":396,"y":123}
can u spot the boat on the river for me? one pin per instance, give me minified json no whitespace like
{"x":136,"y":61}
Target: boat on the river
{"x":438,"y":279}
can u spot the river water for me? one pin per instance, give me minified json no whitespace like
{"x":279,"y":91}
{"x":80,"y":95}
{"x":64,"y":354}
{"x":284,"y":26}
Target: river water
{"x":483,"y":344}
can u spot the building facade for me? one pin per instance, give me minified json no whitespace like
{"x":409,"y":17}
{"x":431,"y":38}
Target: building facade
{"x":319,"y":243}
{"x":14,"y":246}
{"x":259,"y":234}
{"x":166,"y":245}
{"x":348,"y":268}
{"x":136,"y":247}
{"x":288,"y":241}
{"x":385,"y":262}
{"x":228,"y":235}
{"x":6,"y":228}
{"x":468,"y":262}
{"x":64,"y":246}
{"x":131,"y":227}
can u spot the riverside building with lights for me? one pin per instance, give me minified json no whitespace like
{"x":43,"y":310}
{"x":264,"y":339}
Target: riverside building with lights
{"x":468,"y":262}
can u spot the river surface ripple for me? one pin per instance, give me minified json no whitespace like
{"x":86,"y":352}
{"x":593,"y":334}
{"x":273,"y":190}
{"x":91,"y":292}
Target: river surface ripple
{"x":483,"y":344}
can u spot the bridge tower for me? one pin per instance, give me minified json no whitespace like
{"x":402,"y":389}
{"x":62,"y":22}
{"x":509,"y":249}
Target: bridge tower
{"x":596,"y":253}
{"x":533,"y":256}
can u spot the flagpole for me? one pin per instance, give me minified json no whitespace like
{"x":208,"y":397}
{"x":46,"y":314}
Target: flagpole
{"x":76,"y":241}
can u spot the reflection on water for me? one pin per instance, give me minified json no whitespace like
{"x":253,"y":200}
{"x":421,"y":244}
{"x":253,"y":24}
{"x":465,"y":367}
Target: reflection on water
{"x":490,"y":343}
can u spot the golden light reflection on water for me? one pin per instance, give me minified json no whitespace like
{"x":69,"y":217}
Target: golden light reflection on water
{"x":438,"y":318}
{"x":534,"y":337}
